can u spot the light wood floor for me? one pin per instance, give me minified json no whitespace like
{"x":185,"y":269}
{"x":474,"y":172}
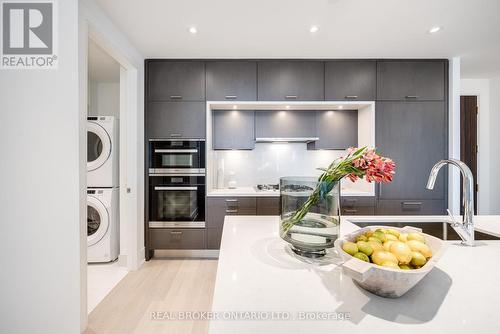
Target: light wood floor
{"x":159,"y":286}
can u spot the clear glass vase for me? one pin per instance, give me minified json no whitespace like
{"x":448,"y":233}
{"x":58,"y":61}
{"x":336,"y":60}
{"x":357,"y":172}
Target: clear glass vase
{"x":310,"y":214}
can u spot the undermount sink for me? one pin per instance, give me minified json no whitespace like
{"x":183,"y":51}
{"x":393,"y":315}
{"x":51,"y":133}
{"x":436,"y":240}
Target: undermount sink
{"x":436,"y":229}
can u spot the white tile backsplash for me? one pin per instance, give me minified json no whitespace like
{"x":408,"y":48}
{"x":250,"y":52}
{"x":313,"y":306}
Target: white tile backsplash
{"x":270,"y":161}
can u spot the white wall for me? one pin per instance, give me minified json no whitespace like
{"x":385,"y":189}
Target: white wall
{"x":112,"y":41}
{"x":41,"y":192}
{"x":104,"y":98}
{"x":481,"y":88}
{"x":269,"y":161}
{"x":494,"y":145}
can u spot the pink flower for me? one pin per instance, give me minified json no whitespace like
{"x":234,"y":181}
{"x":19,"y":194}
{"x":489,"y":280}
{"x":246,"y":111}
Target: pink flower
{"x":373,"y":167}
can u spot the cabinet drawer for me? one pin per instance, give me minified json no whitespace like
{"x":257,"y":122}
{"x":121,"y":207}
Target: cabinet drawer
{"x":214,"y":236}
{"x":165,"y":238}
{"x":176,"y":120}
{"x":268,"y":206}
{"x":348,"y":201}
{"x":358,"y":211}
{"x":176,"y":81}
{"x":411,"y":80}
{"x":219,"y":207}
{"x":410,"y":207}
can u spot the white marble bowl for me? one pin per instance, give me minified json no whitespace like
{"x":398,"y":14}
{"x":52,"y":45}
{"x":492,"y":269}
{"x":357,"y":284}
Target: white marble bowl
{"x":384,"y":281}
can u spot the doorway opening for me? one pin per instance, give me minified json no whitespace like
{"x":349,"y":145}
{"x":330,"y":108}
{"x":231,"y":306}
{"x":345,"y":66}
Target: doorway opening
{"x":468,"y":140}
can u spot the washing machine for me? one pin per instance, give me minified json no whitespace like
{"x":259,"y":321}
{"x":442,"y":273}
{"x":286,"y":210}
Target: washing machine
{"x":102,"y":152}
{"x":103,"y":231}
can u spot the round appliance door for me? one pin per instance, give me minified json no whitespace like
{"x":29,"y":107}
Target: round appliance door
{"x":97,"y":220}
{"x":98,"y":146}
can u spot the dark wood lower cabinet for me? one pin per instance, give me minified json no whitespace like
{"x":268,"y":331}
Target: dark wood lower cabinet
{"x":411,"y":207}
{"x":166,"y":238}
{"x":268,"y":206}
{"x":214,"y":236}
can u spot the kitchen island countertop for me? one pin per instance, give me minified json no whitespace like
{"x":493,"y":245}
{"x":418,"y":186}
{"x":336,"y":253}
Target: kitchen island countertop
{"x":257,"y":272}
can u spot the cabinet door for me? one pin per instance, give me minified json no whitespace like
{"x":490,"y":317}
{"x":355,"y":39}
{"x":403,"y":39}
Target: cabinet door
{"x":285,"y":124}
{"x":336,"y":130}
{"x":268,"y":206}
{"x":231,"y":80}
{"x":214,"y":236}
{"x":350,"y":80}
{"x":291,"y":80}
{"x":176,"y":120}
{"x":233,"y":130}
{"x":176,"y":81}
{"x":411,"y":80}
{"x":414,"y":135}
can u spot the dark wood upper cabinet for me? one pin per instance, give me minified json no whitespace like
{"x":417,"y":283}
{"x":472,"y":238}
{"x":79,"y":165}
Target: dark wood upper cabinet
{"x":176,"y":80}
{"x":291,"y":80}
{"x":336,"y":130}
{"x":233,"y":130}
{"x":411,"y":80}
{"x":285,"y":124}
{"x":231,"y":80}
{"x":414,"y":135}
{"x":176,"y":120}
{"x":350,"y":80}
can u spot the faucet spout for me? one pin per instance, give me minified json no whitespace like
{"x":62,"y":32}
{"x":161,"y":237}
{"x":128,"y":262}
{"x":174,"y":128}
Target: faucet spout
{"x":466,"y":229}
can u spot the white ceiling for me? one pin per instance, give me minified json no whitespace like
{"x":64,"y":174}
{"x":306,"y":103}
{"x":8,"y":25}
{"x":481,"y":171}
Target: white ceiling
{"x":348,"y":29}
{"x":102,"y":67}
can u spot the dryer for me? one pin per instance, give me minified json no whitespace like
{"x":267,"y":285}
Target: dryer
{"x":102,"y":152}
{"x":103,"y":232}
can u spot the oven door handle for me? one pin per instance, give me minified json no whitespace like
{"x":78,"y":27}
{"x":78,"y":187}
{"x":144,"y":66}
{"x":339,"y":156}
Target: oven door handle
{"x":175,"y":188}
{"x":161,"y":150}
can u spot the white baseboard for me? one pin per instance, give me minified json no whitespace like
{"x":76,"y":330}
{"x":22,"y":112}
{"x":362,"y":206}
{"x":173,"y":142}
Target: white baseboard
{"x":186,"y":253}
{"x":122,"y":260}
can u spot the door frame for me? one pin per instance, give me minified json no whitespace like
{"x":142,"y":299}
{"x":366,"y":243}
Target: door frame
{"x":469,"y":141}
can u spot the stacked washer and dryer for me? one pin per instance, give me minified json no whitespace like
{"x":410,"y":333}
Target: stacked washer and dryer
{"x":103,"y":230}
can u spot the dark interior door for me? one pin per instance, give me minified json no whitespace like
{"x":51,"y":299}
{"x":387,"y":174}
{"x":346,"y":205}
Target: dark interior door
{"x":468,"y":139}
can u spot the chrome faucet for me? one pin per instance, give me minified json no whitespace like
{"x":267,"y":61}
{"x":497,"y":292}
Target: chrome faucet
{"x":465,"y":229}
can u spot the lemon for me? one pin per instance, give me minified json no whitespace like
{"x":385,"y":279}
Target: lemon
{"x":381,"y":256}
{"x":362,"y":256}
{"x":402,"y":251}
{"x":393,"y":232}
{"x":364,"y":247}
{"x":350,"y":247}
{"x":362,"y":237}
{"x":417,"y":259}
{"x":390,"y":264}
{"x":391,"y":237}
{"x":380,"y":235}
{"x":419,"y":246}
{"x":416,"y":236}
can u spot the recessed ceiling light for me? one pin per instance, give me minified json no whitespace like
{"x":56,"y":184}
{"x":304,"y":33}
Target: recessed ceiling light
{"x":235,"y":107}
{"x":193,"y":30}
{"x":341,"y":107}
{"x":434,"y":30}
{"x":288,"y":107}
{"x":314,"y":29}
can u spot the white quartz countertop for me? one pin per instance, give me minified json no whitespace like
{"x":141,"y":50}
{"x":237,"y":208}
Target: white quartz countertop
{"x":257,"y":273}
{"x":252,"y":192}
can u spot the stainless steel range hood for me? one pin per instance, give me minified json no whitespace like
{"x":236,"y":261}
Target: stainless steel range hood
{"x":286,"y":139}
